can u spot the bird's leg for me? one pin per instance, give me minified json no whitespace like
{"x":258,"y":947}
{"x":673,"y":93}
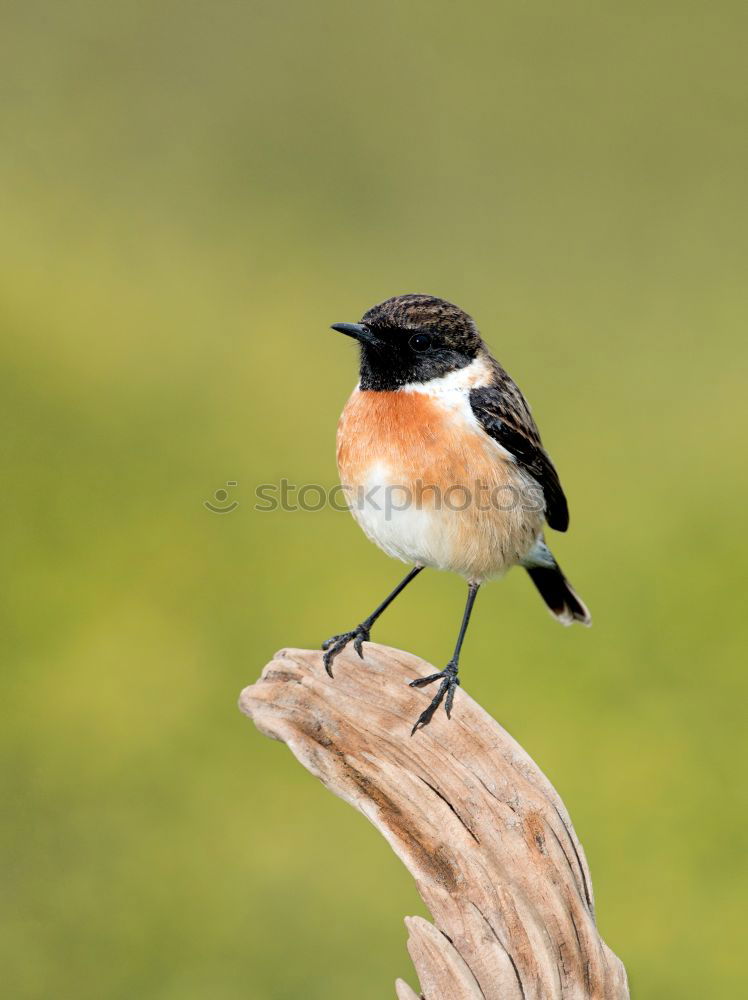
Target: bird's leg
{"x":360,"y":634}
{"x":448,"y":677}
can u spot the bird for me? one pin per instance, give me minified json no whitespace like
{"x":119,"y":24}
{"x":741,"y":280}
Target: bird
{"x":442,"y":466}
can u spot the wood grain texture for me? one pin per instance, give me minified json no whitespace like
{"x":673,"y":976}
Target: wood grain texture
{"x":479,"y":826}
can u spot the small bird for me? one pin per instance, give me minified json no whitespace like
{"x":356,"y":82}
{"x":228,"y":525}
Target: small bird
{"x":443,"y":466}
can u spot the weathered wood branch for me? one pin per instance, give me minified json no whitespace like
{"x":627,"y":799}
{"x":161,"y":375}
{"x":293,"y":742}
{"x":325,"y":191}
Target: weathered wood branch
{"x":479,"y":826}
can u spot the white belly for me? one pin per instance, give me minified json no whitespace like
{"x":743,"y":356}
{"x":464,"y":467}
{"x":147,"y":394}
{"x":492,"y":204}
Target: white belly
{"x":478,"y":533}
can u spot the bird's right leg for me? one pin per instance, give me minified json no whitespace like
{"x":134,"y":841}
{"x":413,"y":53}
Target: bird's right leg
{"x":360,"y":634}
{"x":449,"y":681}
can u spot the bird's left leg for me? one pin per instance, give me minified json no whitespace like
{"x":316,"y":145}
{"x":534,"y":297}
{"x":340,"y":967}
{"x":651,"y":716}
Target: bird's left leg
{"x":360,"y":634}
{"x":448,"y":677}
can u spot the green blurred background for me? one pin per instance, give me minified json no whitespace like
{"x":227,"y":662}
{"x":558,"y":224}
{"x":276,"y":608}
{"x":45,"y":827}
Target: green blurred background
{"x":191,"y":193}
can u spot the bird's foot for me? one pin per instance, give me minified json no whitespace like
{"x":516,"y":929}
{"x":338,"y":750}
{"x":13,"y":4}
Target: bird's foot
{"x":449,"y":684}
{"x":337,"y":644}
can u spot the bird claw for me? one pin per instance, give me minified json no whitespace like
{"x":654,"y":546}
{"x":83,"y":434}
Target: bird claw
{"x":449,"y":684}
{"x":337,"y":643}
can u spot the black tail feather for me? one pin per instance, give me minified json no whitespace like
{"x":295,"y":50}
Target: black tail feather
{"x":557,"y":593}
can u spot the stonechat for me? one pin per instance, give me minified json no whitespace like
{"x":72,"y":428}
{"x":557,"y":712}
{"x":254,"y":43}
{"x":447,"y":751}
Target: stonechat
{"x":443,"y":466}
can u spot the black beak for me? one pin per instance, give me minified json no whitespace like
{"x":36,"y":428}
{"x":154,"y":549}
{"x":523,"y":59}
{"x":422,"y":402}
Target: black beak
{"x":356,"y":330}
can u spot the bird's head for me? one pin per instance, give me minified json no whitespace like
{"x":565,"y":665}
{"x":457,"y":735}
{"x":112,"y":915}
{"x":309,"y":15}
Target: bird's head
{"x":411,"y":339}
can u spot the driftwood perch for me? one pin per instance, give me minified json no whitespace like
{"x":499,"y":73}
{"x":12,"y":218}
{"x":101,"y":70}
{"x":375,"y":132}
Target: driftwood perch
{"x":481,"y":829}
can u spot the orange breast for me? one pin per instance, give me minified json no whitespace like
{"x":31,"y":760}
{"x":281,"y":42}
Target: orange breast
{"x":416,"y":436}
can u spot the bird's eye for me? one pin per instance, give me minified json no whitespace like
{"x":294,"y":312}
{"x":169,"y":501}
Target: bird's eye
{"x":420,"y":341}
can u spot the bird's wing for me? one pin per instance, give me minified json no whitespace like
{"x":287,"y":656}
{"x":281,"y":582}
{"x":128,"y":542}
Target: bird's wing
{"x":502,"y":411}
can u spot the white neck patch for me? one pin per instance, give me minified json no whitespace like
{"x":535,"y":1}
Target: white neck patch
{"x":476,"y":374}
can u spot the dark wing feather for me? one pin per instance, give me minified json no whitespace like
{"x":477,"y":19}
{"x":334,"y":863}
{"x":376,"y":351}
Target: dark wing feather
{"x":504,"y":414}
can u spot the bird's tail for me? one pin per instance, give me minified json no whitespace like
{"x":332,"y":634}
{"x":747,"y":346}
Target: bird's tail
{"x":555,"y":589}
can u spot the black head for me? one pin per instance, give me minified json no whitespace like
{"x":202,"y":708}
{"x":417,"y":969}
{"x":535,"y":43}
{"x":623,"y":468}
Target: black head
{"x":412,"y":338}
